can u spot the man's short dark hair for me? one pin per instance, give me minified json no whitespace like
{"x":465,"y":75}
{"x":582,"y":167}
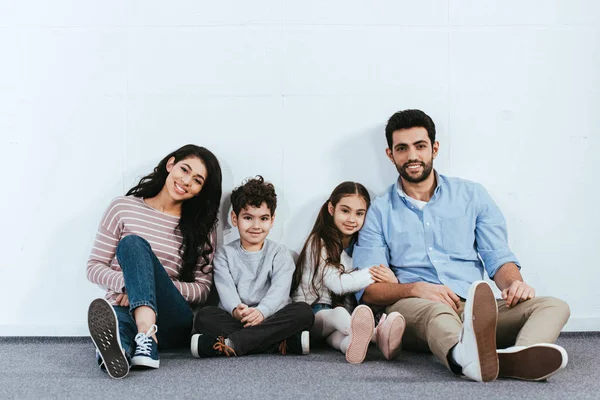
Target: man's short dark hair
{"x":253,"y":192}
{"x":409,"y":119}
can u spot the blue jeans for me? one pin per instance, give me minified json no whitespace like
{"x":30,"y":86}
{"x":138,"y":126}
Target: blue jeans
{"x":320,"y":306}
{"x":148,"y":284}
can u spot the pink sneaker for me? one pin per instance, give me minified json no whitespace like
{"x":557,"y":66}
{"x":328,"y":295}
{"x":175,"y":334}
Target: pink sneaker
{"x":389,"y":335}
{"x":362,"y":325}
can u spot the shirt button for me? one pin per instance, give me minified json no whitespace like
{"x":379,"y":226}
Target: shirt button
{"x":431,"y":248}
{"x":427,"y":223}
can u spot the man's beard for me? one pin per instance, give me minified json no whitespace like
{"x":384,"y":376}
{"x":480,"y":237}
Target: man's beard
{"x":427,"y":168}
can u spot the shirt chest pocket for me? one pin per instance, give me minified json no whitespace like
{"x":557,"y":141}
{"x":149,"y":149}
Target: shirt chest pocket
{"x":457,"y":234}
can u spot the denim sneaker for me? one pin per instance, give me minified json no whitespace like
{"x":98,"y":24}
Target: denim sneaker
{"x":104,"y":331}
{"x":146,"y":352}
{"x":296,"y":344}
{"x":203,"y":346}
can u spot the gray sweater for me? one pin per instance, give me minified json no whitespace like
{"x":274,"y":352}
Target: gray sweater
{"x":259,"y":279}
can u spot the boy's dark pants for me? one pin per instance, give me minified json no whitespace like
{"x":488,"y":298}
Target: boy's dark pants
{"x":262,"y":338}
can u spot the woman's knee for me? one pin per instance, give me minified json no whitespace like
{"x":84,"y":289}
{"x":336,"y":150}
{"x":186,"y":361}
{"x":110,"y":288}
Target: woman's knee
{"x":131,"y":246}
{"x":132,"y":242}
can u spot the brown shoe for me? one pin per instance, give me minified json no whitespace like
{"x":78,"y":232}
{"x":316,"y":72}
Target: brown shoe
{"x":476,"y":349}
{"x":532,"y":363}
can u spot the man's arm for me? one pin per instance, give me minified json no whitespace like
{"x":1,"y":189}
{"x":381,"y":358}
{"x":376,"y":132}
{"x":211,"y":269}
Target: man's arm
{"x":371,"y":248}
{"x":514,"y":289}
{"x":491,"y":237}
{"x":385,"y":294}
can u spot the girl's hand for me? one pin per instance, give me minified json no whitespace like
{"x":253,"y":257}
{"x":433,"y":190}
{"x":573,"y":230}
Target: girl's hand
{"x":381,"y":273}
{"x":122,"y":300}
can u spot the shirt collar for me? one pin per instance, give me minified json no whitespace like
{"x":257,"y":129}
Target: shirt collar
{"x":437,"y":188}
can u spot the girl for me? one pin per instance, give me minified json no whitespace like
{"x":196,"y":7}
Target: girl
{"x":152,"y":254}
{"x":324,"y":274}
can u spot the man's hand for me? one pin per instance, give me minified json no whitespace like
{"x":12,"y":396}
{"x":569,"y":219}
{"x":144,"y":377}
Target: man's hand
{"x":238,"y":311}
{"x":439,"y":293}
{"x":251,"y":317}
{"x":517,"y":292}
{"x":381,"y":273}
{"x":122,"y":300}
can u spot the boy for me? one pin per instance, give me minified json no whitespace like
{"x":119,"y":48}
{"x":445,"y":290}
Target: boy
{"x":253,"y":276}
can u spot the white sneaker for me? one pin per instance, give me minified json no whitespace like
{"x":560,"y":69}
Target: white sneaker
{"x":476,"y":349}
{"x":532,"y":363}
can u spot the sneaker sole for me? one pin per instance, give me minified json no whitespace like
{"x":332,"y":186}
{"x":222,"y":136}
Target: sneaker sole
{"x":534,"y":363}
{"x":194,"y":345}
{"x":392,"y":345}
{"x":305,"y":341}
{"x":144,"y":362}
{"x":484,"y":320}
{"x":104,"y":331}
{"x":362,"y":325}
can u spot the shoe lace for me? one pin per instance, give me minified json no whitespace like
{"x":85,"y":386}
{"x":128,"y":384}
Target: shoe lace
{"x":222,"y":348}
{"x":283,"y":347}
{"x":144,"y":341}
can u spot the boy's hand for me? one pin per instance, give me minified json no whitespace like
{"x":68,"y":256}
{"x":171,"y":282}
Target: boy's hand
{"x":238,"y":312}
{"x":252,"y":316}
{"x":381,"y":273}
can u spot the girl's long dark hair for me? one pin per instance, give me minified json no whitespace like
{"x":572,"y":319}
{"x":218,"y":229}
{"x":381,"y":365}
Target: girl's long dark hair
{"x":326,"y":235}
{"x":198,"y":214}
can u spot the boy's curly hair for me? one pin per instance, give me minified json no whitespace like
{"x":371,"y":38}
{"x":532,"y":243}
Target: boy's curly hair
{"x":254,"y":192}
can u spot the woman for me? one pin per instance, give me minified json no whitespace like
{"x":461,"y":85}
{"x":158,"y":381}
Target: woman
{"x":152,"y":254}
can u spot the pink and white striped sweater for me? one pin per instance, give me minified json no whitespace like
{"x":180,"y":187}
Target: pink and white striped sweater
{"x":129,"y":215}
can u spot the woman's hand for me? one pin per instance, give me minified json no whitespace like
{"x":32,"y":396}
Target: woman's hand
{"x":381,"y":273}
{"x":122,"y":300}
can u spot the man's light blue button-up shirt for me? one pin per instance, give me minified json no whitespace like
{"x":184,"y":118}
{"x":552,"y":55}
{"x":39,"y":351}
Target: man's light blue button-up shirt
{"x":458,"y":233}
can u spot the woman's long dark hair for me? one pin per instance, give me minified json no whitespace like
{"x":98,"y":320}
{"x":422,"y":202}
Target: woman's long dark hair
{"x":198,"y":214}
{"x":326,"y":235}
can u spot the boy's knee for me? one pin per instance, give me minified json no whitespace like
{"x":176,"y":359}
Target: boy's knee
{"x":205,"y":316}
{"x":305,"y":315}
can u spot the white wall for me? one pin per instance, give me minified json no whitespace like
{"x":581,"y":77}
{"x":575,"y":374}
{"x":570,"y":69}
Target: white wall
{"x":93,"y":94}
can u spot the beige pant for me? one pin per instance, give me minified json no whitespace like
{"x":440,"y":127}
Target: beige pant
{"x":433,"y":326}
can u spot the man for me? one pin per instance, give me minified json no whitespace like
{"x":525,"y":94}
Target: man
{"x":438,"y":234}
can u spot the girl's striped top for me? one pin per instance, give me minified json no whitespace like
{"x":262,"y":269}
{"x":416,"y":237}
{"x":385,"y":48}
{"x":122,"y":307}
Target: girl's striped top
{"x":129,"y":215}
